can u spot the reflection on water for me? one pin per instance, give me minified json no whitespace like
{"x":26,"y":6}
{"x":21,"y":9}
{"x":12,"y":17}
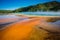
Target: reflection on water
{"x":38,"y":33}
{"x":42,"y":13}
{"x":10,"y":18}
{"x":18,"y":18}
{"x":7,"y":16}
{"x":14,"y":16}
{"x":57,"y":22}
{"x":5,"y":20}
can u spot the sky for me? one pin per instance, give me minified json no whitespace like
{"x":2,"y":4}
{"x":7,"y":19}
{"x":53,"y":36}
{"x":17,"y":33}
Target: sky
{"x":14,"y":4}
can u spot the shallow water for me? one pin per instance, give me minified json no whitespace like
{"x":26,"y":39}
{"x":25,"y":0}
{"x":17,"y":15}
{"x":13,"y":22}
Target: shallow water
{"x":6,"y":20}
{"x":19,"y":19}
{"x":10,"y":18}
{"x":32,"y":13}
{"x":7,"y":16}
{"x":41,"y":13}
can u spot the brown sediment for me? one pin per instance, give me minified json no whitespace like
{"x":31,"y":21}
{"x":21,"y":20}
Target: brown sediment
{"x":24,"y":30}
{"x":19,"y":30}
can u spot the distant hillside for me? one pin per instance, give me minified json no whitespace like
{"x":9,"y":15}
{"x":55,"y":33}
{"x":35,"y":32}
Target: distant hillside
{"x":49,"y":6}
{"x":6,"y":11}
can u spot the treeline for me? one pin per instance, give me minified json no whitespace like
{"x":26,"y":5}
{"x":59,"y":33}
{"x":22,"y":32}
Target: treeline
{"x":49,"y":6}
{"x":6,"y":11}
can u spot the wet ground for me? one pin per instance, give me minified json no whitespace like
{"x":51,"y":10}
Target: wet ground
{"x":21,"y":28}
